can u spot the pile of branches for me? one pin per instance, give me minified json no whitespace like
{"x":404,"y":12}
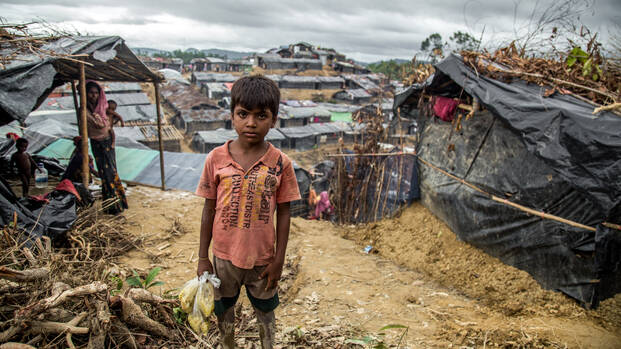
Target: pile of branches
{"x":419,"y":74}
{"x":358,"y":180}
{"x":583,"y":74}
{"x":63,"y":294}
{"x":21,"y":39}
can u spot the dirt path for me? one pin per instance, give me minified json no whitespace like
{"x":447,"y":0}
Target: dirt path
{"x":337,"y":285}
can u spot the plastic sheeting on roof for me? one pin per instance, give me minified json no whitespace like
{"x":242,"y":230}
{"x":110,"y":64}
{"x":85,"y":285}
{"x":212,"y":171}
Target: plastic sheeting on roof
{"x":182,"y":171}
{"x":213,"y":77}
{"x":27,"y":80}
{"x":63,"y":116}
{"x":129,"y":98}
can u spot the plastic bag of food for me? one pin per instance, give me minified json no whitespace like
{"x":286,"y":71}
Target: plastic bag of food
{"x":186,"y":296}
{"x":198,"y":323}
{"x":203,"y":302}
{"x":204,"y":296}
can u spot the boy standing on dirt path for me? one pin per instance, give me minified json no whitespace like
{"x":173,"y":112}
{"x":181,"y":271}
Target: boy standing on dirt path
{"x":243,"y":182}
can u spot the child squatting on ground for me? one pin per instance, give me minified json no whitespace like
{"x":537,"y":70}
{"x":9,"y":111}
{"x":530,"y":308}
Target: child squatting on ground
{"x":243,"y":182}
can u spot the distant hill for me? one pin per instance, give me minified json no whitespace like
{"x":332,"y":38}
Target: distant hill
{"x":227,"y":53}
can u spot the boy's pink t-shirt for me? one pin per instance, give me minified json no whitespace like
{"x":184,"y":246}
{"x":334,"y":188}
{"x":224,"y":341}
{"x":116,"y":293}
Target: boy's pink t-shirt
{"x":243,"y":228}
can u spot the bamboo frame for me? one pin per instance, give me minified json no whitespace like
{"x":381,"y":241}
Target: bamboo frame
{"x":159,"y":133}
{"x":83,"y":128}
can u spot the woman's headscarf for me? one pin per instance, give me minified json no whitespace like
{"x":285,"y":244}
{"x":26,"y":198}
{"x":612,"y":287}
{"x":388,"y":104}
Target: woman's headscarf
{"x":102,"y":101}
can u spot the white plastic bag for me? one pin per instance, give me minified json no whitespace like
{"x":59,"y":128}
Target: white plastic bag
{"x":186,"y":296}
{"x":202,"y":302}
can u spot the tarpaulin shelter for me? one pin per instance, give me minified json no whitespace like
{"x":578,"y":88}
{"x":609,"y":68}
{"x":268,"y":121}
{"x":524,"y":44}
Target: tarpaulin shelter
{"x":531,"y":180}
{"x":31,"y":76}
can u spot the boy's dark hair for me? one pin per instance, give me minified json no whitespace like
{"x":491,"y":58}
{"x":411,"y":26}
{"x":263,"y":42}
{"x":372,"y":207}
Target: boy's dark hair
{"x":255,"y":91}
{"x":21,"y":141}
{"x":112,"y":101}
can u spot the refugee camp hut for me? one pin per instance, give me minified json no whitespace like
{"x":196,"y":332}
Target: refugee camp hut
{"x":300,"y":138}
{"x":200,"y":78}
{"x":206,"y":141}
{"x":528,"y":176}
{"x":171,"y":137}
{"x":302,"y":64}
{"x":215,"y":90}
{"x":191,"y":121}
{"x":361,"y":81}
{"x":239,"y":65}
{"x":216,"y":64}
{"x":173,"y":63}
{"x":301,"y":47}
{"x":351,"y":68}
{"x":29,"y":76}
{"x":274,"y":61}
{"x":355,"y":134}
{"x":356,"y":96}
{"x":304,"y":54}
{"x":153,"y":63}
{"x":324,"y":56}
{"x":328,"y":134}
{"x":330,"y":83}
{"x":292,"y":117}
{"x":198,"y":64}
{"x":283,"y":52}
{"x":275,"y":137}
{"x":181,"y":97}
{"x":276,"y":78}
{"x":298,"y":82}
{"x":128,"y":99}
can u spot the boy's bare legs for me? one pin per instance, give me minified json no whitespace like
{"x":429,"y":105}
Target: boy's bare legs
{"x":226,"y":325}
{"x":25,"y":184}
{"x":267,"y":328}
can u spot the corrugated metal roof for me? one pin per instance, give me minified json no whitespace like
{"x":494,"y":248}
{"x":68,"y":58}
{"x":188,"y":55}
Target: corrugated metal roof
{"x":205,"y":114}
{"x":213,"y":77}
{"x":131,"y":132}
{"x":297,"y":132}
{"x":129,"y":98}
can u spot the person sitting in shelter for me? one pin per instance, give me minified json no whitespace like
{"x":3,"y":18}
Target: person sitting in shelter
{"x":24,"y":163}
{"x":74,"y":168}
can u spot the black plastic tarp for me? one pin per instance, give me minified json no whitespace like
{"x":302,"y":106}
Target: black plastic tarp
{"x":549,"y":154}
{"x":37,"y":219}
{"x":30,"y":77}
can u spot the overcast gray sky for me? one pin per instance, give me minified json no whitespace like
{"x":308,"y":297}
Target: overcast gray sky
{"x":365,"y":30}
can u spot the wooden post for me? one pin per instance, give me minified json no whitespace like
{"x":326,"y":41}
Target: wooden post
{"x":75,"y":101}
{"x":159,"y":132}
{"x":83,"y":128}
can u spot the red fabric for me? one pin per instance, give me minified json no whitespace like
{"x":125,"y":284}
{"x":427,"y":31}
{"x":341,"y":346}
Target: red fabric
{"x":12,"y":135}
{"x":445,"y":107}
{"x":66,"y":185}
{"x":40,"y":198}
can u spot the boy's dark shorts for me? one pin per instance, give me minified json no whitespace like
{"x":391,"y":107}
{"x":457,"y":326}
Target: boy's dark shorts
{"x":232,"y":278}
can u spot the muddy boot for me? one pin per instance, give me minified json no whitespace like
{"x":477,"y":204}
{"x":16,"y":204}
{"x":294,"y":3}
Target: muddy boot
{"x":226,"y":325}
{"x":267,"y":328}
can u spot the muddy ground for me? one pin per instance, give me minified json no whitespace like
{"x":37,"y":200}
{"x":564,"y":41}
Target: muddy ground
{"x":418,"y":274}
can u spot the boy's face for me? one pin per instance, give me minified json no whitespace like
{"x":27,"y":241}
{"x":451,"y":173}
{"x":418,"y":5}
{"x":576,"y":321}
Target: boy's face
{"x":21,"y":147}
{"x":252,"y":125}
{"x":112,"y":106}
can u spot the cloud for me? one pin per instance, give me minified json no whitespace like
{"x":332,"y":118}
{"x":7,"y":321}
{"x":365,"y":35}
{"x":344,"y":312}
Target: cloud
{"x":362,"y":29}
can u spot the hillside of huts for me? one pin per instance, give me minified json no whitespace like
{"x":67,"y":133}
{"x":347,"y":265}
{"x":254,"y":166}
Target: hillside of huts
{"x":196,"y":110}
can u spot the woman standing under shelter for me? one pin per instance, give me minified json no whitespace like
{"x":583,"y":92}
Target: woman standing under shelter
{"x":100,"y":133}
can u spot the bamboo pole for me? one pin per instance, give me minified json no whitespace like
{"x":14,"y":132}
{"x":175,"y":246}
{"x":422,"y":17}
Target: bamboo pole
{"x":159,"y":133}
{"x":83,"y":128}
{"x":541,"y":214}
{"x":75,"y":101}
